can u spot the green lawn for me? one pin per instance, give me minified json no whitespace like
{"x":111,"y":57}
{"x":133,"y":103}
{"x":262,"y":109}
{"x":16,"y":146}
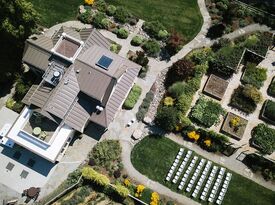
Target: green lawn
{"x":55,"y":11}
{"x":153,"y":157}
{"x":180,"y":15}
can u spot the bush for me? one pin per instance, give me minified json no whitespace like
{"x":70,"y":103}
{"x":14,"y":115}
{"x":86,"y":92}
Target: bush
{"x":270,"y":110}
{"x":10,"y":103}
{"x":106,"y":152}
{"x":206,"y":112}
{"x":163,"y":34}
{"x":201,"y":56}
{"x":254,"y":75}
{"x":252,"y":93}
{"x":90,"y":174}
{"x":153,"y":28}
{"x":151,"y":47}
{"x":174,"y":43}
{"x":241,"y":102}
{"x":122,"y":190}
{"x":177,"y":89}
{"x":98,"y":20}
{"x":140,"y":58}
{"x":183,"y":103}
{"x":143,"y":71}
{"x":264,"y":137}
{"x":167,"y":118}
{"x":181,"y":70}
{"x":111,"y":9}
{"x":122,"y":33}
{"x":271,"y":89}
{"x":136,"y":41}
{"x":132,"y":98}
{"x":115,"y":48}
{"x":100,"y":5}
{"x":86,"y":17}
{"x":73,"y":177}
{"x":121,"y":15}
{"x":144,"y":107}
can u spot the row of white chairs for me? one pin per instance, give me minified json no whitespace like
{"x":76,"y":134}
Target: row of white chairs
{"x":201,"y":179}
{"x":187,"y":172}
{"x":174,"y":165}
{"x":216,"y":185}
{"x":195,"y":175}
{"x":224,"y":188}
{"x":209,"y":183}
{"x":182,"y":166}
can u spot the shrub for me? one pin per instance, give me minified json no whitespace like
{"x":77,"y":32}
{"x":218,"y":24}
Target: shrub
{"x":10,"y":103}
{"x":264,"y":137}
{"x":271,"y":89}
{"x":106,"y":152}
{"x":153,"y":28}
{"x":177,"y":89}
{"x":143,"y":71}
{"x":121,"y":15}
{"x":98,"y":20}
{"x":115,"y":48}
{"x":174,"y":43}
{"x":206,"y":112}
{"x":111,"y":9}
{"x":140,"y":58}
{"x":183,"y":103}
{"x":163,"y":34}
{"x":254,"y":75}
{"x":89,"y":2}
{"x":167,"y":118}
{"x":122,"y":190}
{"x":100,"y":5}
{"x":122,"y":33}
{"x":143,"y":108}
{"x":151,"y":47}
{"x":252,"y":93}
{"x":90,"y":174}
{"x":168,"y":101}
{"x":136,"y":41}
{"x":117,"y":174}
{"x":241,"y":102}
{"x":270,"y":110}
{"x":181,"y":70}
{"x":132,"y":98}
{"x":201,"y":56}
{"x":86,"y":17}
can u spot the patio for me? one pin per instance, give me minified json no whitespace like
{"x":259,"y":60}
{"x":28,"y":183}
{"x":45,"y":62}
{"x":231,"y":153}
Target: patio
{"x":40,"y":127}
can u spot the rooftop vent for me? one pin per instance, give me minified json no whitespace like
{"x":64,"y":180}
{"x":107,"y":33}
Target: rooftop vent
{"x":104,"y":62}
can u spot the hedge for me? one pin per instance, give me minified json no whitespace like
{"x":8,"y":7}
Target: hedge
{"x":132,"y":98}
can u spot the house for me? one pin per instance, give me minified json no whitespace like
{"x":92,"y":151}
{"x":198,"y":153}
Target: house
{"x":82,"y":82}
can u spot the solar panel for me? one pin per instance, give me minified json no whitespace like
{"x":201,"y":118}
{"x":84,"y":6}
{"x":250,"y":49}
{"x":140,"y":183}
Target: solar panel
{"x":104,"y":62}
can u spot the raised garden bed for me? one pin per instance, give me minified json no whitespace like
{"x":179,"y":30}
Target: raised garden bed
{"x":216,"y":87}
{"x":268,"y":112}
{"x":271,"y":89}
{"x":254,"y":75}
{"x":242,"y":103}
{"x":234,"y":126}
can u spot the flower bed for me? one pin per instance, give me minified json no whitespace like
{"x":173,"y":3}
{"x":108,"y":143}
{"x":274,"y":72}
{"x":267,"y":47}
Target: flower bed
{"x":264,"y":138}
{"x":234,"y":126}
{"x":271,"y":89}
{"x":206,"y":112}
{"x":132,"y":98}
{"x":254,"y":75}
{"x":241,"y":102}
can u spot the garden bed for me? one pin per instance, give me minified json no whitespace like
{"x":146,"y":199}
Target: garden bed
{"x":132,"y":97}
{"x":271,"y":88}
{"x":242,"y":103}
{"x":216,"y":87}
{"x":234,"y":126}
{"x":268,"y":112}
{"x":254,"y":75}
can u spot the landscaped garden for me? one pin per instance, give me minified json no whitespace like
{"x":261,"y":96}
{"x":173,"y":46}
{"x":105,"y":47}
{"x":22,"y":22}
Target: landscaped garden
{"x":234,"y":126}
{"x":181,"y":15}
{"x":154,"y":155}
{"x":228,"y":16}
{"x":263,"y":138}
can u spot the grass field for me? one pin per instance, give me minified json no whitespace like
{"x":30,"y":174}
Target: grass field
{"x":180,"y":15}
{"x":55,"y":11}
{"x":153,"y":157}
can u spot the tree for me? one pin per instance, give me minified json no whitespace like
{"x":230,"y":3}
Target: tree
{"x":18,"y":18}
{"x":167,"y":118}
{"x":151,"y":47}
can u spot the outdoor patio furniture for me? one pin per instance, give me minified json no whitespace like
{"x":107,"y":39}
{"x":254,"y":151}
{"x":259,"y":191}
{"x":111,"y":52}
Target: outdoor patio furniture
{"x":36,"y":131}
{"x":24,"y":174}
{"x":9,"y":166}
{"x":33,"y":192}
